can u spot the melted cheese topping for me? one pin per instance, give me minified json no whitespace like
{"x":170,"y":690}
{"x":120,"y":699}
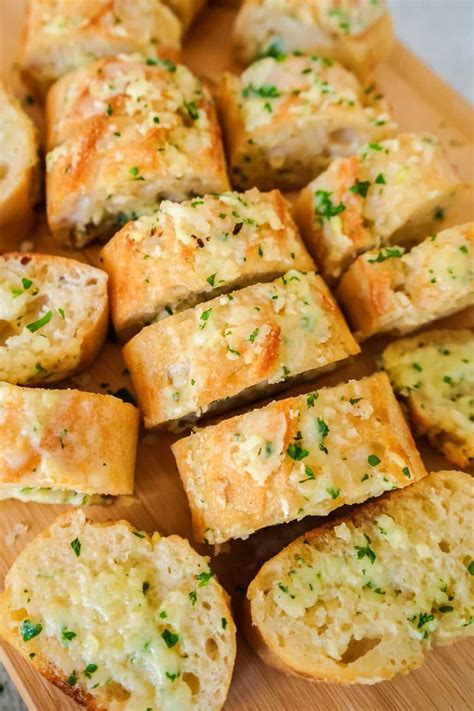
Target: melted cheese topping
{"x":436,"y":372}
{"x":42,"y":323}
{"x":136,"y":622}
{"x":372,"y":598}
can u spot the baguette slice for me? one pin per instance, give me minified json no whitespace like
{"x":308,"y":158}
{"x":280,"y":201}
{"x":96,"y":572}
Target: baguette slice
{"x":364,"y":598}
{"x":125,"y":133}
{"x":120,"y":620}
{"x":389,"y":291}
{"x":193,"y":251}
{"x":306,"y":455}
{"x":19,"y":167}
{"x":236,"y":346}
{"x":53,"y":316}
{"x":61,"y":35}
{"x":388,"y":193}
{"x":357,"y":34}
{"x":434,"y":374}
{"x":283,"y":125}
{"x":65,"y":446}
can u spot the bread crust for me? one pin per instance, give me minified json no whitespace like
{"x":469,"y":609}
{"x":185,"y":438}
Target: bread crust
{"x":154,"y":135}
{"x":389,"y":291}
{"x":88,"y":334}
{"x":189,"y":253}
{"x":272,"y":654}
{"x":259,"y":336}
{"x":86,"y":442}
{"x":58,"y":534}
{"x":187,"y":10}
{"x":275,"y":470}
{"x":58,"y":38}
{"x":438,"y":402}
{"x":258,"y":24}
{"x":19,"y":172}
{"x":281,"y":130}
{"x":388,"y":193}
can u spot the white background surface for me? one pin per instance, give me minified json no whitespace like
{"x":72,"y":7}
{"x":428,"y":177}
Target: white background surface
{"x":441,"y":32}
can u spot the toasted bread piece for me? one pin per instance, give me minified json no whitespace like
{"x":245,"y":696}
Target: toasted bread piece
{"x":285,"y":118}
{"x":389,"y":291}
{"x":53,"y":316}
{"x":236,"y":346}
{"x":306,"y":455}
{"x":193,"y":251}
{"x":124,"y":133}
{"x":19,"y":168}
{"x":119,"y":619}
{"x":357,"y":33}
{"x":186,"y":10}
{"x":434,"y":374}
{"x":364,"y":598}
{"x":389,"y":193}
{"x":65,"y":446}
{"x":61,"y":35}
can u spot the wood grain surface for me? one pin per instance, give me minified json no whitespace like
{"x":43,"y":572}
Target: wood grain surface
{"x":420,"y":101}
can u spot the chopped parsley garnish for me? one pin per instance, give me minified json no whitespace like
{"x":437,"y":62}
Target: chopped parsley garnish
{"x":296,"y":451}
{"x":361,"y":187}
{"x":470,"y":567}
{"x":406,"y":472}
{"x":109,"y":110}
{"x":26,"y":283}
{"x":28,"y":630}
{"x":323,"y":431}
{"x":283,"y":588}
{"x":167,"y":63}
{"x":36,"y":325}
{"x":265,"y":91}
{"x":365,"y":552}
{"x":333,"y":493}
{"x":61,"y":313}
{"x":274,"y":50}
{"x":172,"y":675}
{"x":387,"y":253}
{"x":138,"y":534}
{"x":170,"y":638}
{"x":193,"y":597}
{"x":223,"y":623}
{"x":90,"y":669}
{"x":72,"y":679}
{"x":309,"y":474}
{"x":204,"y":578}
{"x":373,"y":460}
{"x":145,"y":587}
{"x":311,"y":399}
{"x":192,"y":109}
{"x":76,"y":546}
{"x":446,"y":608}
{"x":463,"y":249}
{"x":438,"y":214}
{"x":67,"y":635}
{"x":204,"y":317}
{"x":325,"y":209}
{"x":380,"y":180}
{"x":423,"y":619}
{"x":354,"y":400}
{"x":211,"y":278}
{"x":135,"y":173}
{"x":254,"y":335}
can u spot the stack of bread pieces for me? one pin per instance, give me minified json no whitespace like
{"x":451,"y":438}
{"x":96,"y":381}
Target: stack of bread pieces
{"x":223,"y":294}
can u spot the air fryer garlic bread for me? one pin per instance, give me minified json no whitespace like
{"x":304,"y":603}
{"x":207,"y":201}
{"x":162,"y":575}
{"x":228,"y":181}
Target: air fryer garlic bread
{"x":285,"y":118}
{"x":121,"y":620}
{"x":61,"y":35}
{"x":190,"y":252}
{"x":65,"y":446}
{"x":364,"y":598}
{"x":19,"y":167}
{"x":306,"y":455}
{"x":434,"y":374}
{"x":53,"y":316}
{"x":390,"y":192}
{"x":389,"y":291}
{"x":357,"y":33}
{"x":123,"y":134}
{"x":236,"y":347}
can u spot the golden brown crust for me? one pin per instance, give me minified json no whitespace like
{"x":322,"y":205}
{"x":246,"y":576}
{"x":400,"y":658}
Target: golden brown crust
{"x":321,"y":538}
{"x":20,"y":172}
{"x":59,"y":37}
{"x":190,"y":252}
{"x":389,"y":291}
{"x":112,"y":145}
{"x":255,"y":337}
{"x":267,"y":467}
{"x":87,"y":442}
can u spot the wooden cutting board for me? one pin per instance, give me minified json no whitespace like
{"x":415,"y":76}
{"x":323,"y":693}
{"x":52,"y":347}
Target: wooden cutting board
{"x":420,"y":101}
